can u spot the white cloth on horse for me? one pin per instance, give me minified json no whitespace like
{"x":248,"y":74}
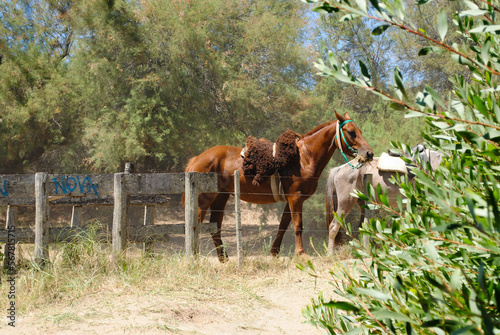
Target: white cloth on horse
{"x":276,"y":185}
{"x":390,"y":163}
{"x":244,"y":151}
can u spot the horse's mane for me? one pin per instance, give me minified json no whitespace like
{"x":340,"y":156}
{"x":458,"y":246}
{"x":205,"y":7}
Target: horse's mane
{"x":318,"y":128}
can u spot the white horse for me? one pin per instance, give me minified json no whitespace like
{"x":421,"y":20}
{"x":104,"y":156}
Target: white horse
{"x":343,"y":180}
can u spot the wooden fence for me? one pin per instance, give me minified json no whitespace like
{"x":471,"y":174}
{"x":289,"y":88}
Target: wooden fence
{"x":120,"y":190}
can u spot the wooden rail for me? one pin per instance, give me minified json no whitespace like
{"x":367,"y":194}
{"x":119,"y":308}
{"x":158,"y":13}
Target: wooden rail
{"x":119,"y":190}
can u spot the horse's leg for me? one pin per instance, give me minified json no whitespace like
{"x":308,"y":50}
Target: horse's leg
{"x":345,"y":205}
{"x":331,"y":206}
{"x":296,"y":210}
{"x":217,"y":215}
{"x":285,"y":221}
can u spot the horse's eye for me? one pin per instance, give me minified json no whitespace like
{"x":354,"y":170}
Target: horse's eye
{"x":352,"y":133}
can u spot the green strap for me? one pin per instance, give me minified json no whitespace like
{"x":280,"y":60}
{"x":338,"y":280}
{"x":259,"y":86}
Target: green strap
{"x":348,"y":146}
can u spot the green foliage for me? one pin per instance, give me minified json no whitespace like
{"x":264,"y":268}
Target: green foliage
{"x":97,"y":83}
{"x":432,"y":267}
{"x":35,"y":114}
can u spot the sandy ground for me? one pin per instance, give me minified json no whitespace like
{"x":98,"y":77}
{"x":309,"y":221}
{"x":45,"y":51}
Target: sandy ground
{"x":276,"y":306}
{"x":278,"y":311}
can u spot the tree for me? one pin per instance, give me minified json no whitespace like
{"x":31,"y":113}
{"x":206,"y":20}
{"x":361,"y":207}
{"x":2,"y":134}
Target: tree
{"x":35,"y":119}
{"x":97,"y":83}
{"x":161,"y":81}
{"x":433,"y":266}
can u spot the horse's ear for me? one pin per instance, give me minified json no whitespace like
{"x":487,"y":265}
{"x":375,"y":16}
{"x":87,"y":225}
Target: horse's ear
{"x":339,"y":117}
{"x":346,"y":116}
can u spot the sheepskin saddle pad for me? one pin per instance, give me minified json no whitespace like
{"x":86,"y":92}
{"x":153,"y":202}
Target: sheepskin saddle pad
{"x":391,"y":161}
{"x":262,"y":158}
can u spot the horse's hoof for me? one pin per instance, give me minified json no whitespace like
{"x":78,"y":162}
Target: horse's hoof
{"x":223,"y":258}
{"x":275,"y":252}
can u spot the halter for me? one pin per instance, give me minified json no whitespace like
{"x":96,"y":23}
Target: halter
{"x":339,"y":144}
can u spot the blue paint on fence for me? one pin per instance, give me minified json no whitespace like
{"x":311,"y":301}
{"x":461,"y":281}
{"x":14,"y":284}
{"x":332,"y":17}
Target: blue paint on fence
{"x":69,"y":184}
{"x":4,"y":192}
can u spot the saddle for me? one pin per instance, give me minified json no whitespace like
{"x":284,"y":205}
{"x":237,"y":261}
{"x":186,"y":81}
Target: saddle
{"x":263,"y":158}
{"x":391,"y":161}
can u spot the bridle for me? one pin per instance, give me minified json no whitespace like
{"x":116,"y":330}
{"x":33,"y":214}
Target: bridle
{"x":339,"y":144}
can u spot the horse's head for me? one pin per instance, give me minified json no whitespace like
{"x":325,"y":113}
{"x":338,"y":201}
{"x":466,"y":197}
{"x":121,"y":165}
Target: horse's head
{"x":351,"y":141}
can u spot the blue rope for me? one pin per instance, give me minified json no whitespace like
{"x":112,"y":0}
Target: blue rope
{"x":348,"y":146}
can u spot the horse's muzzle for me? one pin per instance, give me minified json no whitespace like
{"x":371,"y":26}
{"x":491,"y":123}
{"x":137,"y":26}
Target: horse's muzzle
{"x":365,"y":157}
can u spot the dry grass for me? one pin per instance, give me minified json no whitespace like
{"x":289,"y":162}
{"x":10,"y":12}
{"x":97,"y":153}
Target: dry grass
{"x":82,"y":275}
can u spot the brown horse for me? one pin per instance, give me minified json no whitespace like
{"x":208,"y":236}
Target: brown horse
{"x":299,"y":181}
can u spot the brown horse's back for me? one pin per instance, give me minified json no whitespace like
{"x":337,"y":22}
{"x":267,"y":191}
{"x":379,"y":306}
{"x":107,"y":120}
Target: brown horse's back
{"x":220,"y":159}
{"x":224,"y":160}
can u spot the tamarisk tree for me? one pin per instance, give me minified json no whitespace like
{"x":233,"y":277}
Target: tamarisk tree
{"x":432,"y":267}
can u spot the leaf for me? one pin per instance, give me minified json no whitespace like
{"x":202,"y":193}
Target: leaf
{"x":343,"y":305}
{"x":362,"y":197}
{"x":375,"y":4}
{"x":485,"y":29}
{"x":380,"y":29}
{"x":485,"y":50}
{"x":473,"y":12}
{"x":442,"y":22}
{"x":431,"y":251}
{"x":342,"y":77}
{"x":332,"y":59}
{"x":364,"y":70}
{"x":480,"y":278}
{"x":348,"y":17}
{"x":384,"y":200}
{"x":408,"y":328}
{"x":361,"y":5}
{"x":431,"y":323}
{"x":372,"y":293}
{"x":431,"y":49}
{"x":325,"y":7}
{"x":461,"y":60}
{"x":411,"y":114}
{"x":398,"y":79}
{"x":310,"y":264}
{"x":324,"y":70}
{"x":355,"y":331}
{"x":383,"y":314}
{"x":480,"y":105}
{"x":397,"y":106}
{"x":456,"y":279}
{"x":434,"y":95}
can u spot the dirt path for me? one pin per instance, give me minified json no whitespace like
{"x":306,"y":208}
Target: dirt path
{"x":272,"y":304}
{"x":275,"y":307}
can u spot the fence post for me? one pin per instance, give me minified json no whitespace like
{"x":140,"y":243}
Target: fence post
{"x":191,"y":214}
{"x":120,"y":228}
{"x":41,"y":219}
{"x":9,"y":247}
{"x":149,"y":217}
{"x":76,"y":216}
{"x":237,"y":210}
{"x":367,"y":179}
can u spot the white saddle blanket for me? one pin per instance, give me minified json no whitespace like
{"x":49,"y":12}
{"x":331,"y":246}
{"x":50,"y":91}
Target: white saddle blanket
{"x":390,"y":163}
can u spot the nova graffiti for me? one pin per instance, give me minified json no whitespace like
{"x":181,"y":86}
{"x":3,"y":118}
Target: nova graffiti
{"x":4,"y":191}
{"x":76,"y":185}
{"x":70,"y":184}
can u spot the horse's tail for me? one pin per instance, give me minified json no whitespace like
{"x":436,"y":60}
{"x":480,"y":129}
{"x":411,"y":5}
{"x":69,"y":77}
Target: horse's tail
{"x":189,"y":165}
{"x":189,"y":168}
{"x":331,"y":204}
